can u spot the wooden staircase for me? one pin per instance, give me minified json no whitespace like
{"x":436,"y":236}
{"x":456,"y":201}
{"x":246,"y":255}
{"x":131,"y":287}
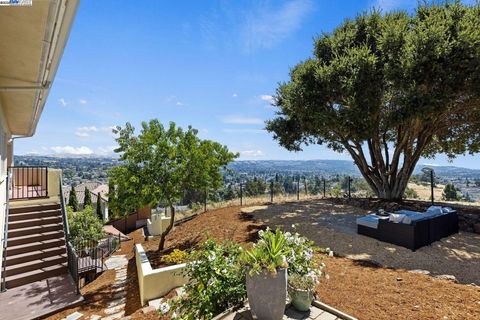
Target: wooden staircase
{"x":36,"y":244}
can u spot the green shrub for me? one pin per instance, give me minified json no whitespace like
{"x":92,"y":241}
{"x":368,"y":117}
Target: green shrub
{"x":84,"y":225}
{"x":268,"y":253}
{"x":216,"y":281}
{"x":410,"y":193}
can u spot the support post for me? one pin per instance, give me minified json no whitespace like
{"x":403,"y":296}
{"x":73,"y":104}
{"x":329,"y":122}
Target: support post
{"x":271,"y":191}
{"x":241,"y":195}
{"x":298,"y":188}
{"x":349,"y":187}
{"x":431,"y":186}
{"x":324,"y":188}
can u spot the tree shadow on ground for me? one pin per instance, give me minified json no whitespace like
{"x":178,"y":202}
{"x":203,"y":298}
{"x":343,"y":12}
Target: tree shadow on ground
{"x":334,"y":226}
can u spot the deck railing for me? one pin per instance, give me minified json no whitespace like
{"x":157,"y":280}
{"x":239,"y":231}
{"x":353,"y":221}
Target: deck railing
{"x":3,"y":271}
{"x":28,"y":182}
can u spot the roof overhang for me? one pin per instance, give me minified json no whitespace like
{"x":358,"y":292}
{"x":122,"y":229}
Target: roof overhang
{"x":32,"y":40}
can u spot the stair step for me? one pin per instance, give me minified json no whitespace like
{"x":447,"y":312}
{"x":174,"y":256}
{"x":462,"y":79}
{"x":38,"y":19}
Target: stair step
{"x":33,"y":222}
{"x":35,"y":237}
{"x":34,"y":246}
{"x":34,"y":207}
{"x":35,"y":275}
{"x":34,"y":255}
{"x":35,"y":264}
{"x":34,"y":229}
{"x":34,"y":215}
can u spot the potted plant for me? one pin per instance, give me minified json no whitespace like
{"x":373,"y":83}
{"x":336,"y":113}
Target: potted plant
{"x":301,"y":290}
{"x":266,"y":279}
{"x":303,"y":270}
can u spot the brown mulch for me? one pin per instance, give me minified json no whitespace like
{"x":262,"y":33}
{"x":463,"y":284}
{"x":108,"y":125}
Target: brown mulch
{"x":361,"y":289}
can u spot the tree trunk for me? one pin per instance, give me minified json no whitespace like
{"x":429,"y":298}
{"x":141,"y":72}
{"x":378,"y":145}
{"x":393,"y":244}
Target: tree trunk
{"x":382,"y":173}
{"x":161,"y":245}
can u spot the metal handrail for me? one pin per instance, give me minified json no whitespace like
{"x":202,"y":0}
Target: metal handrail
{"x":66,"y":229}
{"x":5,"y":236}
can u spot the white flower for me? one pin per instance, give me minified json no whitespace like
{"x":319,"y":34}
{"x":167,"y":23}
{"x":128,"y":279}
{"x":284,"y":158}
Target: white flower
{"x":212,"y":256}
{"x":164,"y":308}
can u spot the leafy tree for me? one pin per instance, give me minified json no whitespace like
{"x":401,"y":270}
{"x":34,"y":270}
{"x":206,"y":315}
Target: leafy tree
{"x":255,"y":187}
{"x":87,"y":199}
{"x":230,"y":193}
{"x":84,"y":225}
{"x":159,"y":164}
{"x":72,"y":199}
{"x":388,"y":89}
{"x":450,"y":193}
{"x":99,"y":206}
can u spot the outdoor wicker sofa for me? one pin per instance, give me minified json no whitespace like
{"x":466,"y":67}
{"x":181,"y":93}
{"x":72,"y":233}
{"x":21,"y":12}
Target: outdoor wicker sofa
{"x":410,"y":229}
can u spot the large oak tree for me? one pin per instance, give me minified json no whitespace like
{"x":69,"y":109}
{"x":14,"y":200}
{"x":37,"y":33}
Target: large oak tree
{"x":388,"y":89}
{"x":159,"y":165}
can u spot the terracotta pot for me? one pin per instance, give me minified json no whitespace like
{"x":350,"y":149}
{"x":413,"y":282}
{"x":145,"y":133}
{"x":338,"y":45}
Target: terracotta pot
{"x":267,"y":294}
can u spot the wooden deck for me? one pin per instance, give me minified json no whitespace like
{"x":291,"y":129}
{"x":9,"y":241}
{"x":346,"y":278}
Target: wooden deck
{"x":39,"y":298}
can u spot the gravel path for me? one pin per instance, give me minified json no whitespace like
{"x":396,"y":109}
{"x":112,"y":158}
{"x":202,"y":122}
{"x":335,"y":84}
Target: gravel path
{"x":333,"y":225}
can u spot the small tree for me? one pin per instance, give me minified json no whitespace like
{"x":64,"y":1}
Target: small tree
{"x":159,"y":164}
{"x":84,"y":225}
{"x":410,"y":193}
{"x":450,"y":193}
{"x":87,"y":199}
{"x":72,"y":199}
{"x":99,"y":206}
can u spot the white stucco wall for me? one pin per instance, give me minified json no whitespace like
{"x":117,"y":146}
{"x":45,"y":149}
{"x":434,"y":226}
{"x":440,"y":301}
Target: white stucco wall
{"x":4,"y":156}
{"x":155,"y":283}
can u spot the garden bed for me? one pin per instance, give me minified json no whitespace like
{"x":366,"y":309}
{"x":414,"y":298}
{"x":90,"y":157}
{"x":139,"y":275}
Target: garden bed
{"x":362,"y":289}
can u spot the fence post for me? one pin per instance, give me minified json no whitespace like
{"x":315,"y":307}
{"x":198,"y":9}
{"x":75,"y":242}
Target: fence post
{"x":305,"y":184}
{"x":298,"y":188}
{"x":349,"y":187}
{"x":324,"y":188}
{"x":431,"y":186}
{"x":241,"y":195}
{"x":271,"y":191}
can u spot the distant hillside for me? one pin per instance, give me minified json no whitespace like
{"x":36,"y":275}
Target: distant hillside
{"x":450,"y":171}
{"x":318,"y":167}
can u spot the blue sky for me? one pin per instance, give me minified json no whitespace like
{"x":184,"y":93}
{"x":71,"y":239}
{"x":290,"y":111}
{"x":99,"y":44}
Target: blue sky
{"x":210,"y":64}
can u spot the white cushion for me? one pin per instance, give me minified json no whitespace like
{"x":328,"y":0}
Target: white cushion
{"x":396,"y":217}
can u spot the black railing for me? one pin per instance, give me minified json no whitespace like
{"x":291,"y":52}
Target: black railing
{"x":86,"y":258}
{"x":28,"y":182}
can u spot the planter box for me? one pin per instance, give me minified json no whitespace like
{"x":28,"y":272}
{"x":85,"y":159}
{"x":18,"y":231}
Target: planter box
{"x":155,"y":283}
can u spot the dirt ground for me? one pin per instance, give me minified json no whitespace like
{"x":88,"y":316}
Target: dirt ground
{"x":334,"y":225}
{"x":360,"y":287}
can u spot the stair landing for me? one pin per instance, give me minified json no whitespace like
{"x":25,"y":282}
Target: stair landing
{"x":39,"y":299}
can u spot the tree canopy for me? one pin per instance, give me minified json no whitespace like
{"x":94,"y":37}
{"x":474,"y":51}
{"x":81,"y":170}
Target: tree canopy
{"x":72,"y":199}
{"x":159,"y":165}
{"x":388,"y":89}
{"x":87,"y":199}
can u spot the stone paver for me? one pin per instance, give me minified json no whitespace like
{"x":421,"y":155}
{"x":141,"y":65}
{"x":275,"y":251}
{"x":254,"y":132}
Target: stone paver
{"x":95,"y":317}
{"x":74,"y":316}
{"x":290,"y":314}
{"x":115,"y":309}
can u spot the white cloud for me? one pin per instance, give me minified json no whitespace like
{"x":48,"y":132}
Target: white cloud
{"x":268,"y":98}
{"x":266,"y":27}
{"x":241,"y":120}
{"x":179,"y":104}
{"x":234,"y":95}
{"x":88,"y":129}
{"x":251,"y":153}
{"x":105,"y":151}
{"x":82,"y":134}
{"x":83,"y":101}
{"x":63,"y":102}
{"x":71,"y":150}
